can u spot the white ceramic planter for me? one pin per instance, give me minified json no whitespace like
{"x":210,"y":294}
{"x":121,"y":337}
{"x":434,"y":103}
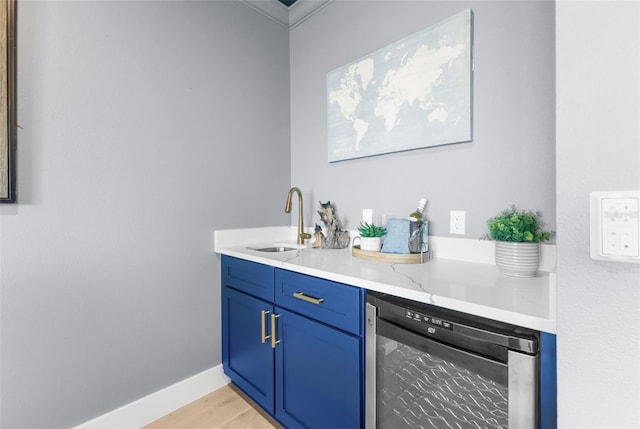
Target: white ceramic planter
{"x":518,"y":259}
{"x":371,"y":244}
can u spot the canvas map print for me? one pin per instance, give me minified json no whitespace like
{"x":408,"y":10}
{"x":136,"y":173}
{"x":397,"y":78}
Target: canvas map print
{"x":411,"y":94}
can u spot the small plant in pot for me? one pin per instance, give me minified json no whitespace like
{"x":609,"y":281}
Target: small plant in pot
{"x":518,"y":234}
{"x":371,"y":236}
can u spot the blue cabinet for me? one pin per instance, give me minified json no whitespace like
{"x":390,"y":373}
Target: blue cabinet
{"x":294,"y":343}
{"x":548,"y":382}
{"x":247,"y":360}
{"x":249,"y":277}
{"x":318,"y":380}
{"x":333,"y":303}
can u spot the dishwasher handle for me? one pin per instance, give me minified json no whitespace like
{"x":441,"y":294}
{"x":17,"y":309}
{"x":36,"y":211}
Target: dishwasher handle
{"x":518,"y":344}
{"x":412,"y":317}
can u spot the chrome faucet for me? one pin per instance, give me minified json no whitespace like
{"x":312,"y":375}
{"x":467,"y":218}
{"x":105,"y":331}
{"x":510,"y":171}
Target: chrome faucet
{"x":287,"y":208}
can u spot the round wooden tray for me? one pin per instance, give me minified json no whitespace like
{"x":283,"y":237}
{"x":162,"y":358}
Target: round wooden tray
{"x":396,"y":258}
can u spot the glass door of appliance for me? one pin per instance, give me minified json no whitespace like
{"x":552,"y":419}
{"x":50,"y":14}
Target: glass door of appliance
{"x":421,"y":383}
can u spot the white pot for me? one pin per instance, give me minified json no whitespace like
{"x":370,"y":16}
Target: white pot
{"x":371,"y":244}
{"x":518,"y":259}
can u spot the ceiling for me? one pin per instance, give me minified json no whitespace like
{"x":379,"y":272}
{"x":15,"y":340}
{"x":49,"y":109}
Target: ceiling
{"x":287,"y":3}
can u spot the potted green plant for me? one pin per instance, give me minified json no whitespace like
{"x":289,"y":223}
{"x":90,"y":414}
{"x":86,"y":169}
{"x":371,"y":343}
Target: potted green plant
{"x":371,"y":236}
{"x":518,"y":234}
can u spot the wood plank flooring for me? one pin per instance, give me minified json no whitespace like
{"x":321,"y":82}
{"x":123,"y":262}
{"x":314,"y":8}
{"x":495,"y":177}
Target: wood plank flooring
{"x":225,"y":408}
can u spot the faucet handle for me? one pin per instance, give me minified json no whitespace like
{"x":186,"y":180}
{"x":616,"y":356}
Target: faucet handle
{"x":304,"y":236}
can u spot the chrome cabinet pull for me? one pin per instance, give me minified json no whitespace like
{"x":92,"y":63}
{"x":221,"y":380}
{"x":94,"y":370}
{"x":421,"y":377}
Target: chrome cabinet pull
{"x":274,"y":341}
{"x":263,"y":323}
{"x":308,"y":298}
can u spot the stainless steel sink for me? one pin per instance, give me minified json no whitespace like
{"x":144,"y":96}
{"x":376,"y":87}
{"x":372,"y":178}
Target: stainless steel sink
{"x":273,"y":249}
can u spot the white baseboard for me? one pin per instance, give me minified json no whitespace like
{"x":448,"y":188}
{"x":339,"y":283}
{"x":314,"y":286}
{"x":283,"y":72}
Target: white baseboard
{"x":160,"y":403}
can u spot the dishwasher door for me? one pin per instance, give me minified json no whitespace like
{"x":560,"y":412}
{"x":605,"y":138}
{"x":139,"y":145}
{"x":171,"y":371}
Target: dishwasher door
{"x":414,"y":381}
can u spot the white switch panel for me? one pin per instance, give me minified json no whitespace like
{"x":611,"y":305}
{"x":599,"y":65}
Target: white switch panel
{"x":615,"y":226}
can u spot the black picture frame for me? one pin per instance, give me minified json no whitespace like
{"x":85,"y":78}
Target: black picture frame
{"x":8,"y":101}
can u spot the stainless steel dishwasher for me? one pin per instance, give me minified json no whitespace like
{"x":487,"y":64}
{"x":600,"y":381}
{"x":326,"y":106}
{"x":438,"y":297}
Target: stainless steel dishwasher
{"x":428,"y":367}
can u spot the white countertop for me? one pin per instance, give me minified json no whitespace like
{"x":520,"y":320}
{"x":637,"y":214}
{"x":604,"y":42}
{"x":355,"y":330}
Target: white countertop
{"x":474,"y":285}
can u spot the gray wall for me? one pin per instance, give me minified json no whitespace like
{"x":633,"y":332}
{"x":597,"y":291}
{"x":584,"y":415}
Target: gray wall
{"x":511,"y":158}
{"x":598,"y":149}
{"x":145,"y":126}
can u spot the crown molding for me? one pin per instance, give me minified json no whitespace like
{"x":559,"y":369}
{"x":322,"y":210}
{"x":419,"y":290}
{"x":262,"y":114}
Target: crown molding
{"x":289,"y":17}
{"x":302,"y":10}
{"x":272,"y":9}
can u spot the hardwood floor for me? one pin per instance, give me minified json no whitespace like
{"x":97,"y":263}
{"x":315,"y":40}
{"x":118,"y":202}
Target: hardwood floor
{"x":225,"y":408}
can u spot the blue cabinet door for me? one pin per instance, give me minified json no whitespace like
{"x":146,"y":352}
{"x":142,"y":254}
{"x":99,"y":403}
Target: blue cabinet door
{"x":249,"y":277}
{"x":246,"y":359}
{"x":318,"y":383}
{"x":330,"y":302}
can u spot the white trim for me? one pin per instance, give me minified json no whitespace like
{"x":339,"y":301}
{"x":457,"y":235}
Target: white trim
{"x":160,"y":403}
{"x":460,"y":249}
{"x":483,"y":251}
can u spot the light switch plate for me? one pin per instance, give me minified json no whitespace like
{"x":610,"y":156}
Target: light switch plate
{"x":615,"y":226}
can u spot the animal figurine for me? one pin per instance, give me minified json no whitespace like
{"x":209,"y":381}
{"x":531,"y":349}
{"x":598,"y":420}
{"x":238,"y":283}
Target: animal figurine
{"x":335,"y":238}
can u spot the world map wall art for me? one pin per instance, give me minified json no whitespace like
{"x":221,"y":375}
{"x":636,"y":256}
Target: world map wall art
{"x":414,"y":93}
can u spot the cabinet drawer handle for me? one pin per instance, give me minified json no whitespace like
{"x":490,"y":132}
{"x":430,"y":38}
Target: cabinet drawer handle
{"x":263,"y":323}
{"x":273,"y":330}
{"x":312,"y":299}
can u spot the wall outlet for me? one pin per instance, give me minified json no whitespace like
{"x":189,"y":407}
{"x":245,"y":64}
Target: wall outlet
{"x":367,"y":216}
{"x":457,"y":222}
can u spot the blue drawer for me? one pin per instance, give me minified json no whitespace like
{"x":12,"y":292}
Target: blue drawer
{"x":249,"y":277}
{"x":327,"y":301}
